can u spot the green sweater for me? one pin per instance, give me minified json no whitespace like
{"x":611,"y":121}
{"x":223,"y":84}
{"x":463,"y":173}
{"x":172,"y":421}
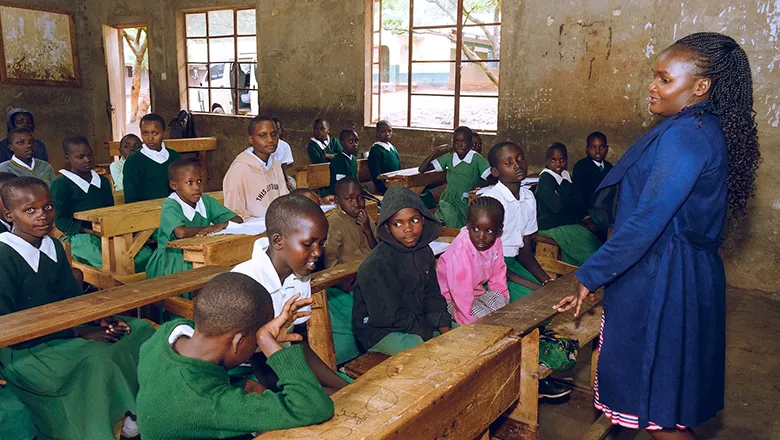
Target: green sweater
{"x":145,"y":179}
{"x":185,"y":398}
{"x":69,"y":199}
{"x":317,"y":154}
{"x":556,"y":205}
{"x":381,"y":161}
{"x":342,"y":166}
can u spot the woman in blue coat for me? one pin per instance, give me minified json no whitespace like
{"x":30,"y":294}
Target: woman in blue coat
{"x":662,"y":359}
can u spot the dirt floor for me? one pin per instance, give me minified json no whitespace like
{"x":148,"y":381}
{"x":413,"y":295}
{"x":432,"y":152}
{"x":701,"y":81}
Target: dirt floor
{"x":752,"y":380}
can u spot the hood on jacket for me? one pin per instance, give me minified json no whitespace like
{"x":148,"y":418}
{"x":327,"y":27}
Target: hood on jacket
{"x":397,"y":198}
{"x":249,"y":158}
{"x":9,"y":118}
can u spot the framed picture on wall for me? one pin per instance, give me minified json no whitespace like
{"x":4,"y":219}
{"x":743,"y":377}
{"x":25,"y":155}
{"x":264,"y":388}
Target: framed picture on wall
{"x":37,"y":46}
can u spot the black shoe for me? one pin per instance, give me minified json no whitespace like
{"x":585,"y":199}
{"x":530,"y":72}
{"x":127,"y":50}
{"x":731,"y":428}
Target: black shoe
{"x":549,"y":389}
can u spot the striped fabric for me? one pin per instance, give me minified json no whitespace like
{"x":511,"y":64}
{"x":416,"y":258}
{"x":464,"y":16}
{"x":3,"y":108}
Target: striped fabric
{"x":484,"y":304}
{"x":618,"y":418}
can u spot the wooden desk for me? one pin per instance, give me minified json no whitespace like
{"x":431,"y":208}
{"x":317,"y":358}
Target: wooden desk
{"x":413,"y":179}
{"x":317,"y":176}
{"x":50,"y":318}
{"x":192,"y":145}
{"x":452,"y":386}
{"x":124,"y":229}
{"x":223,"y":250}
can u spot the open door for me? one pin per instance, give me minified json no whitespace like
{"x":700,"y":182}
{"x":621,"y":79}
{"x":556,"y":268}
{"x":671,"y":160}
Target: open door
{"x":116,"y":84}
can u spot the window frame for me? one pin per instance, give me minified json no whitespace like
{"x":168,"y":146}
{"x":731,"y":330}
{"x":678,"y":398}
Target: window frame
{"x":235,"y":35}
{"x":458,"y":63}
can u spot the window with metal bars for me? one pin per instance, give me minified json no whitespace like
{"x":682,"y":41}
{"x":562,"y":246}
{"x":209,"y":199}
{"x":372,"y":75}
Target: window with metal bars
{"x":221,"y":54}
{"x":435,"y":63}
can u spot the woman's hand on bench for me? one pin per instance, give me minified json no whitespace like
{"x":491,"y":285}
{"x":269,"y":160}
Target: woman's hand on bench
{"x":575,"y":300}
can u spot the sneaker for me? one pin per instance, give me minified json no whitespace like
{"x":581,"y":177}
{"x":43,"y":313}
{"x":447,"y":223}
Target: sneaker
{"x":129,"y":428}
{"x":549,"y":389}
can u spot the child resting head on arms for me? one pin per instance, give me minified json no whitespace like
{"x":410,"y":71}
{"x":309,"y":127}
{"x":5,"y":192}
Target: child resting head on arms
{"x":183,"y":371}
{"x":127,"y":146}
{"x":475,"y":258}
{"x":398,"y":303}
{"x":80,"y":382}
{"x":296,"y":231}
{"x":187,"y":212}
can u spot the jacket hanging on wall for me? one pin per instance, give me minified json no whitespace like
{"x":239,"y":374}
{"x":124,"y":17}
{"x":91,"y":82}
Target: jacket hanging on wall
{"x":182,"y":126}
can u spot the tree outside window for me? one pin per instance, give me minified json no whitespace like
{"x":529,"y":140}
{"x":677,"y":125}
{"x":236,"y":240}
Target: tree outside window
{"x":435,"y":63}
{"x":221,"y":48}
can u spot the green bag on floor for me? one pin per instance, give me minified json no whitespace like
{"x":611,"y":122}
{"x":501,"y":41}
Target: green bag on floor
{"x":556,"y":352}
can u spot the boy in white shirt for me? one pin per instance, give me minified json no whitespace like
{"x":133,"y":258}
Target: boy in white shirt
{"x":296,"y":230}
{"x":283,"y":155}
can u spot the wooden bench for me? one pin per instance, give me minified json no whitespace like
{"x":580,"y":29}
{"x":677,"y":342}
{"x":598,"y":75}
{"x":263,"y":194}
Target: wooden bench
{"x":413,"y":179}
{"x":453,"y":386}
{"x":123,"y":230}
{"x":199,"y":146}
{"x":50,"y":318}
{"x":316,"y":176}
{"x":224,"y":250}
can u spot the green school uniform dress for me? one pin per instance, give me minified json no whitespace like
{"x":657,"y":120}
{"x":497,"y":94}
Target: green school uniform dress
{"x":318,"y":149}
{"x":145,"y":174}
{"x":39,"y":168}
{"x":16,"y":420}
{"x":343,"y":165}
{"x":73,"y":194}
{"x":462,"y":176}
{"x":175,"y":213}
{"x":75,"y":388}
{"x":559,"y":206}
{"x":382,"y":158}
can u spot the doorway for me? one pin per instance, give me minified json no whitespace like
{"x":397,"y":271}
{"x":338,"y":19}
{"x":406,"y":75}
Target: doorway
{"x":127,"y":66}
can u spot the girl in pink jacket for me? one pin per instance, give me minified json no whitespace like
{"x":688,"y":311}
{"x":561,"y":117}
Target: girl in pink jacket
{"x":475,"y":258}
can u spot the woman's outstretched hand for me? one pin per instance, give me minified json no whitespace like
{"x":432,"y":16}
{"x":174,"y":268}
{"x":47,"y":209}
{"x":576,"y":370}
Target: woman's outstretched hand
{"x":575,"y":300}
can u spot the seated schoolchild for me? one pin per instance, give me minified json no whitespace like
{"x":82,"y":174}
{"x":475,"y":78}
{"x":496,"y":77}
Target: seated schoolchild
{"x":464,"y":168}
{"x":383,"y":156}
{"x":255,"y":179}
{"x":183,"y":371}
{"x":127,"y":146}
{"x":322,"y":146}
{"x":16,"y":420}
{"x":398,"y":304}
{"x":78,"y":383}
{"x":23,"y":162}
{"x":4,"y":225}
{"x":472,"y":272}
{"x":351,"y":237}
{"x":508,"y":164}
{"x":476,"y":142}
{"x":80,"y":189}
{"x":344,"y":164}
{"x":21,"y":118}
{"x":187,"y":212}
{"x":560,"y":206}
{"x":282,"y":262}
{"x":145,"y":174}
{"x":591,"y":170}
{"x":283,"y":155}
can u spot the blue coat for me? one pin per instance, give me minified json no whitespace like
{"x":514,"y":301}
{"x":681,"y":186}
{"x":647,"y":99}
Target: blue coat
{"x":663,"y":355}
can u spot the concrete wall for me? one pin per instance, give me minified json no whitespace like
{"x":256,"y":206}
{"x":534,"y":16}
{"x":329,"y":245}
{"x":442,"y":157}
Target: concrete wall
{"x":568,"y":68}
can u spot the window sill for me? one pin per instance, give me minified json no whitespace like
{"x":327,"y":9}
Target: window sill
{"x":435,"y":130}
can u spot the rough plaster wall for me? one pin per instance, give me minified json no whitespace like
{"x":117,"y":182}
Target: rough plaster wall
{"x":568,"y":68}
{"x":58,"y":111}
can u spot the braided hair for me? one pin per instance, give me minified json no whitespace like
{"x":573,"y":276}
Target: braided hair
{"x":721,"y":59}
{"x":488,"y":205}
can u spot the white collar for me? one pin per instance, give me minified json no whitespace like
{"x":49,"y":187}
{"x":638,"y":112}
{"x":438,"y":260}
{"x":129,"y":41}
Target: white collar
{"x":268,"y":277}
{"x":598,"y":164}
{"x":323,"y":144}
{"x":457,"y":160}
{"x":30,"y":254}
{"x":558,"y":177}
{"x":506,"y":194}
{"x":188,"y":210}
{"x":20,"y":163}
{"x":157,"y":156}
{"x":386,"y":145}
{"x":265,"y":165}
{"x":179,"y":331}
{"x":6,"y":224}
{"x":81,"y":183}
{"x":349,"y":156}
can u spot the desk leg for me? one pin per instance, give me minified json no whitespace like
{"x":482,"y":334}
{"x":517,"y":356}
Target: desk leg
{"x":108,"y":254}
{"x":320,"y":331}
{"x":204,"y":165}
{"x":521,"y":421}
{"x":124,"y":263}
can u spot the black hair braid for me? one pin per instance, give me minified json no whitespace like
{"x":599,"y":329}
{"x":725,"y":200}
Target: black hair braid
{"x":490,"y":206}
{"x":720,"y":58}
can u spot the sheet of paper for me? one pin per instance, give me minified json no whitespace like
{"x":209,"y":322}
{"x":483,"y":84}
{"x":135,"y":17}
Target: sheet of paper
{"x":404,"y":172}
{"x":439,"y":247}
{"x":530,"y":181}
{"x":255,"y":226}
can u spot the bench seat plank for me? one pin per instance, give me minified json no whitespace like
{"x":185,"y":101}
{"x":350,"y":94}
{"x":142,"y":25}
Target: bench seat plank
{"x":454,"y":386}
